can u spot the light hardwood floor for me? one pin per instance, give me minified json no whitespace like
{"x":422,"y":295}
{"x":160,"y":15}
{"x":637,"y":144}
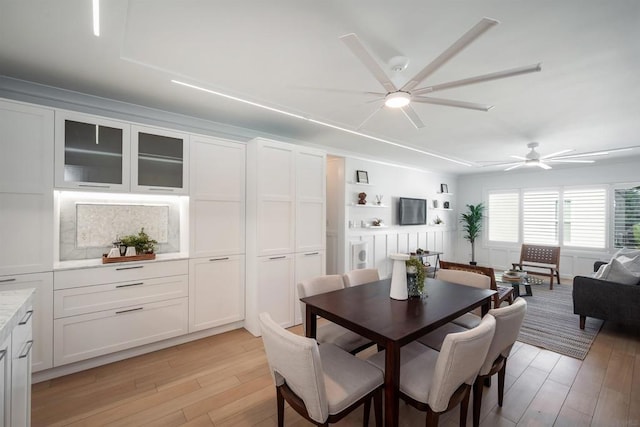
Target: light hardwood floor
{"x":224,"y":381}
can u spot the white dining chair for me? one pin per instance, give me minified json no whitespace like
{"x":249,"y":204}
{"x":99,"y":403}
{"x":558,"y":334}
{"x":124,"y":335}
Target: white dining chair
{"x":323,"y":383}
{"x":330,"y":332}
{"x":508,"y":323}
{"x":361,"y":276}
{"x":467,"y":278}
{"x":437,"y":382}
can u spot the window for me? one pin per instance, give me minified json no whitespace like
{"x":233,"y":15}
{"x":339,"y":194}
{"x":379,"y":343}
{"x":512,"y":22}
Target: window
{"x":502,"y":218}
{"x":584,"y":216}
{"x":540,"y":217}
{"x":626,"y":217}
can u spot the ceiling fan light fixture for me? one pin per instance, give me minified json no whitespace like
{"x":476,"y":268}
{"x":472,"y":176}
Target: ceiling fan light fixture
{"x":397,"y":99}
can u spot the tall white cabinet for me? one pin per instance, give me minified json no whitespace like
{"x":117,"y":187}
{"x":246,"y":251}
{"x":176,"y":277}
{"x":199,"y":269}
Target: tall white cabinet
{"x":217,"y":233}
{"x":285,"y":227}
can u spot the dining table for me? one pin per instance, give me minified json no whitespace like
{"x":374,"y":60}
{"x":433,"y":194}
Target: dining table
{"x":369,"y":311}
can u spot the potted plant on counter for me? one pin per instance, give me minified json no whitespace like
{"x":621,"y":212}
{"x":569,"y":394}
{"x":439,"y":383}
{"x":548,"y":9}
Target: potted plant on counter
{"x":472,"y":226}
{"x":141,"y":241}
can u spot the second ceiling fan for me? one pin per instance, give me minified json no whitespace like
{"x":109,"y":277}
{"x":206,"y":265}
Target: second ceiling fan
{"x":402,"y":97}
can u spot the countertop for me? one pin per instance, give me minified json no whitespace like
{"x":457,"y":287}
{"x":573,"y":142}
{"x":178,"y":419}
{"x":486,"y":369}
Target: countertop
{"x":13,"y":307}
{"x":97,"y":262}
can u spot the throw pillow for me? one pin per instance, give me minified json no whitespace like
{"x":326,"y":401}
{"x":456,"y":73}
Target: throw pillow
{"x":631,"y":264}
{"x":628,"y":252}
{"x":602,"y":271}
{"x":618,"y":273}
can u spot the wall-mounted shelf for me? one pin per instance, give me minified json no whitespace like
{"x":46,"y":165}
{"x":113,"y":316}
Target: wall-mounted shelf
{"x":359,"y":183}
{"x":448,"y":194}
{"x":441,"y":209}
{"x":368,"y":205}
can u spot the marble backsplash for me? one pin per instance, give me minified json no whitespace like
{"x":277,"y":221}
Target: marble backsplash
{"x":88,"y":227}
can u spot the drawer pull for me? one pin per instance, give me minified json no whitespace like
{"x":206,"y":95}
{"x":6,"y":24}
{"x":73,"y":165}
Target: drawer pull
{"x":129,"y":268}
{"x":127,"y":311}
{"x":94,"y":186}
{"x":26,"y":318}
{"x":278,"y":257}
{"x":130,"y":284}
{"x":2,"y":354}
{"x":27,"y":350}
{"x":219,"y":259}
{"x":13,"y":279}
{"x":311,"y":253}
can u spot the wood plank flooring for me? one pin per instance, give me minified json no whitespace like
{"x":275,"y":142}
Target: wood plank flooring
{"x":224,"y":381}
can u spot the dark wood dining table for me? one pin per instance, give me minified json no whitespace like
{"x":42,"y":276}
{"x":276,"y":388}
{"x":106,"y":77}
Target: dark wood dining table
{"x":369,"y":311}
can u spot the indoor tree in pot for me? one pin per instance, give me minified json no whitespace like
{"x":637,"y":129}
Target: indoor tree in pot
{"x":472,"y":225}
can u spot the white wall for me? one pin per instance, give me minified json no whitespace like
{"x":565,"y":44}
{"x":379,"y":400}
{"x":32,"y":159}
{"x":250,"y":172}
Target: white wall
{"x":391,"y":182}
{"x":473,"y":189}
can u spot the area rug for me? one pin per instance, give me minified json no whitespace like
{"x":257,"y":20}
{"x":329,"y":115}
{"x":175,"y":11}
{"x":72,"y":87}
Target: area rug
{"x":551,"y":324}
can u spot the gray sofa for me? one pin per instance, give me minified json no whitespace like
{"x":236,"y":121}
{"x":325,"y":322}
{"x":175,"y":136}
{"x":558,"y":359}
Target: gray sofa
{"x":605,"y":300}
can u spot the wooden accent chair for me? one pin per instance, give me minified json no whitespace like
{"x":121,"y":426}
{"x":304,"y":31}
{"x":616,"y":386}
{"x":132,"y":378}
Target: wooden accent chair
{"x":540,"y":258}
{"x":322,"y":383}
{"x":330,"y":332}
{"x":361,"y":276}
{"x":505,"y":293}
{"x":437,"y":382}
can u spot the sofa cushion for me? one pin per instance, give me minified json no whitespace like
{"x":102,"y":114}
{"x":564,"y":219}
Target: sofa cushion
{"x":616,"y":271}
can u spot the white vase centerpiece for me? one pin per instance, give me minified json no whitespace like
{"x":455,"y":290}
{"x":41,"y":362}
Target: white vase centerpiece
{"x":399,"y":277}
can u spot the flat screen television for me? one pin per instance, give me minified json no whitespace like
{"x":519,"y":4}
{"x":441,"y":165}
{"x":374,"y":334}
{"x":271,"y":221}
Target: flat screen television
{"x":412,"y":211}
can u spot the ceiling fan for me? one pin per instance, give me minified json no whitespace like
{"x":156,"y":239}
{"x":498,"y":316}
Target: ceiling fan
{"x":404,"y":96}
{"x":533,"y":158}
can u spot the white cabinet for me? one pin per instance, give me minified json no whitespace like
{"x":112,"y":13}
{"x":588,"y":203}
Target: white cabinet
{"x":111,"y":308}
{"x":216,"y":291}
{"x":42,"y":355}
{"x":26,"y":188}
{"x":21,"y":349}
{"x":5,"y":382}
{"x":308,"y":265}
{"x":286,"y":206}
{"x":217,"y":197}
{"x":92,"y":152}
{"x":159,"y":161}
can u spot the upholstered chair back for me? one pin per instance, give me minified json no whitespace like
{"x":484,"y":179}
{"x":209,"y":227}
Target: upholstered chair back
{"x":508,"y":322}
{"x":465,"y":278}
{"x":317,"y":285}
{"x":459,"y":362}
{"x":295,"y":360}
{"x":361,"y":276}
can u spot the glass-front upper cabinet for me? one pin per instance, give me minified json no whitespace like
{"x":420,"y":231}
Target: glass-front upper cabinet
{"x":91,"y":152}
{"x":159,"y":162}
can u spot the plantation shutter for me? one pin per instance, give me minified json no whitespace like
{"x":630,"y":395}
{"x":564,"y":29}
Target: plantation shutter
{"x":584,"y":213}
{"x":502,"y":218}
{"x":626,"y":217}
{"x":540,"y":217}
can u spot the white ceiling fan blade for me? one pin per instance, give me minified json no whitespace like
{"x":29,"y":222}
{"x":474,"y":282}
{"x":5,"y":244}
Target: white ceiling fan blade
{"x":450,"y":52}
{"x":412,"y":116}
{"x":353,"y":42}
{"x":452,"y":103}
{"x":369,"y":117}
{"x":514,"y":166}
{"x":480,"y":79}
{"x":596,"y":153}
{"x":518,"y":157}
{"x":334,"y":90}
{"x":556,"y":154}
{"x":570,"y":161}
{"x":543,"y":165}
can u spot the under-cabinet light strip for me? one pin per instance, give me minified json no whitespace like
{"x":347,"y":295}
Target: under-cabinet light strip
{"x":96,"y":18}
{"x":298,"y":116}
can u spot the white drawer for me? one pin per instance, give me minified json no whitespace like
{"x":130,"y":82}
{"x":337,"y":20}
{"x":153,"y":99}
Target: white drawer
{"x":91,"y":335}
{"x":65,"y":279}
{"x":89,"y":299}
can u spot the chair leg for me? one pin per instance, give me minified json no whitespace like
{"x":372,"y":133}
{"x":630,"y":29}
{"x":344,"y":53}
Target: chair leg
{"x":367,"y":410}
{"x":558,"y":276}
{"x":464,"y":407}
{"x":432,"y":418}
{"x":477,"y":401}
{"x":377,"y":407}
{"x":501,"y":375}
{"x":551,"y":281}
{"x":280,"y":404}
{"x":583,"y":320}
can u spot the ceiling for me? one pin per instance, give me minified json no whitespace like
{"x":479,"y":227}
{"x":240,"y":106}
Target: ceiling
{"x":286,"y":54}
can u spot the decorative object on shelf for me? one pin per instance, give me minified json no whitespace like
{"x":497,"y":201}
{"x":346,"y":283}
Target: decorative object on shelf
{"x":362,"y":198}
{"x":399,"y":277}
{"x":437,"y":220}
{"x":362,"y":177}
{"x":446,"y":205}
{"x":435,"y":204}
{"x":444,"y":188}
{"x":415,"y":278}
{"x":142,"y":243}
{"x":472,"y":226}
{"x":377,"y":222}
{"x":143,"y":257}
{"x":378,"y":199}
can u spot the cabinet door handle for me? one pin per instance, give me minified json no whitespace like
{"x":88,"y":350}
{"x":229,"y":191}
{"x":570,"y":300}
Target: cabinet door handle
{"x":26,"y":318}
{"x":27,"y":350}
{"x":129,"y":310}
{"x":161,"y":189}
{"x":311,"y":253}
{"x":129,"y":268}
{"x":94,"y":186}
{"x":2,"y":354}
{"x":219,"y":259}
{"x":13,"y":279}
{"x":130,"y":284}
{"x":278,"y":257}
